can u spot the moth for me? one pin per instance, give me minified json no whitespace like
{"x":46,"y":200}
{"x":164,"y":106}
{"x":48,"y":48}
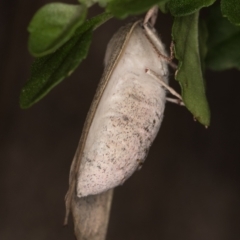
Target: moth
{"x":126,"y":112}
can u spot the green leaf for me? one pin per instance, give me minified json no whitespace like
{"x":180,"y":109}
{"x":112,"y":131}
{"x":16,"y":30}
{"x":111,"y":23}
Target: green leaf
{"x":223,"y":42}
{"x":189,"y":73}
{"x":180,"y":8}
{"x":124,"y":8}
{"x":89,"y":3}
{"x":50,"y":70}
{"x":231,"y":10}
{"x":52,"y":26}
{"x":203,"y":37}
{"x":163,"y":6}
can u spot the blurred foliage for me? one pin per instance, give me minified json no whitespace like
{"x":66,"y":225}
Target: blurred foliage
{"x":61,"y":37}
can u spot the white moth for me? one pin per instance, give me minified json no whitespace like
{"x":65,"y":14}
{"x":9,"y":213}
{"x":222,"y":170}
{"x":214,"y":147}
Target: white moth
{"x":126,"y":112}
{"x":128,"y":115}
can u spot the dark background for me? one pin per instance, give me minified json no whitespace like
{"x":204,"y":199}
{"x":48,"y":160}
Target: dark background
{"x":187,"y":189}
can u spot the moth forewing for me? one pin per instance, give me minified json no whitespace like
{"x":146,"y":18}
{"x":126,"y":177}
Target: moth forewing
{"x":126,"y":113}
{"x":111,"y":60}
